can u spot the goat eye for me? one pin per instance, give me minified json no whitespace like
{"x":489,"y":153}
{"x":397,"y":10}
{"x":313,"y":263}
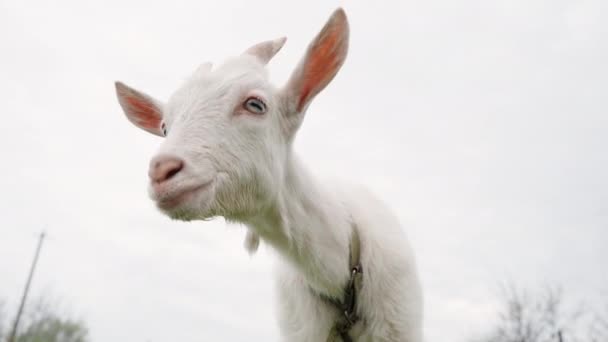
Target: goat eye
{"x":255,"y":105}
{"x":163,"y":129}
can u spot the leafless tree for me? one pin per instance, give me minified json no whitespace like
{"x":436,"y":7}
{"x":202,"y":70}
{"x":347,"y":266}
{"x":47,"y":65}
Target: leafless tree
{"x":45,"y":321}
{"x":536,"y":317}
{"x":598,"y":331}
{"x":2,"y":321}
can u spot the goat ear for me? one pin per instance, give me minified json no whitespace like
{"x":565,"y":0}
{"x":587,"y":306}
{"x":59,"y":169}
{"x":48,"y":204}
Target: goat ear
{"x":324,"y":57}
{"x":142,"y":110}
{"x":264,"y":51}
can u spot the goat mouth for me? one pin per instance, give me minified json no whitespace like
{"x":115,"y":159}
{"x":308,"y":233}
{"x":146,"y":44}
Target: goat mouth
{"x":177,"y":198}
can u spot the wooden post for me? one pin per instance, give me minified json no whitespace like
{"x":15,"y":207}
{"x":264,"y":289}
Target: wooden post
{"x":13,"y":334}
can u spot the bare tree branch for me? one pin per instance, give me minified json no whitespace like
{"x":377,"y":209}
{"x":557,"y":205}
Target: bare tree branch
{"x":535,"y":317}
{"x":2,"y":320}
{"x":44,"y":321}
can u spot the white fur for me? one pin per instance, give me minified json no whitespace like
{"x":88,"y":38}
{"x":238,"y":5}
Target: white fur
{"x":243,"y":168}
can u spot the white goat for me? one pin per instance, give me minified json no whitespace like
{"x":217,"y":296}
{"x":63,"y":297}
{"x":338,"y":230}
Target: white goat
{"x":228,"y":152}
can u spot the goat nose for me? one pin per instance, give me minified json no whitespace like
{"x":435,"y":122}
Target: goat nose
{"x":163,"y":168}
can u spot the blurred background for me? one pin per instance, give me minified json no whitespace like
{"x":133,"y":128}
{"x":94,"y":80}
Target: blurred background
{"x":483,"y":124}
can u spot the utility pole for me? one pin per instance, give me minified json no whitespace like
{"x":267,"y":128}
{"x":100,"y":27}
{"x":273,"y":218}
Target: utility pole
{"x":13,"y":334}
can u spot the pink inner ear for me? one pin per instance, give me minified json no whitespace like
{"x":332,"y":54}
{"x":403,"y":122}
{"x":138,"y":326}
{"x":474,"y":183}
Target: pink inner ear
{"x":324,"y":58}
{"x":143,"y":113}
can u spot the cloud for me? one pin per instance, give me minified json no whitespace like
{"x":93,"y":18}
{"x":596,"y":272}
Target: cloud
{"x":482,"y":125}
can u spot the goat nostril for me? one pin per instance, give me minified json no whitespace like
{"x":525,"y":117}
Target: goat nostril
{"x":164,"y":168}
{"x":174,"y":171}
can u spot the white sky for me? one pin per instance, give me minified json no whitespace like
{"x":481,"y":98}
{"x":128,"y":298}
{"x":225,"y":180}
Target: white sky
{"x":482,"y":123}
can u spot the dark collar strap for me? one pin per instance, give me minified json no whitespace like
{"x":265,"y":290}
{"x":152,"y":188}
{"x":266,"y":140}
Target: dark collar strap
{"x":348,"y":306}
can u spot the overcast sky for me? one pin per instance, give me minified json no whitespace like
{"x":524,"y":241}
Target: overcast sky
{"x":483,"y":124}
